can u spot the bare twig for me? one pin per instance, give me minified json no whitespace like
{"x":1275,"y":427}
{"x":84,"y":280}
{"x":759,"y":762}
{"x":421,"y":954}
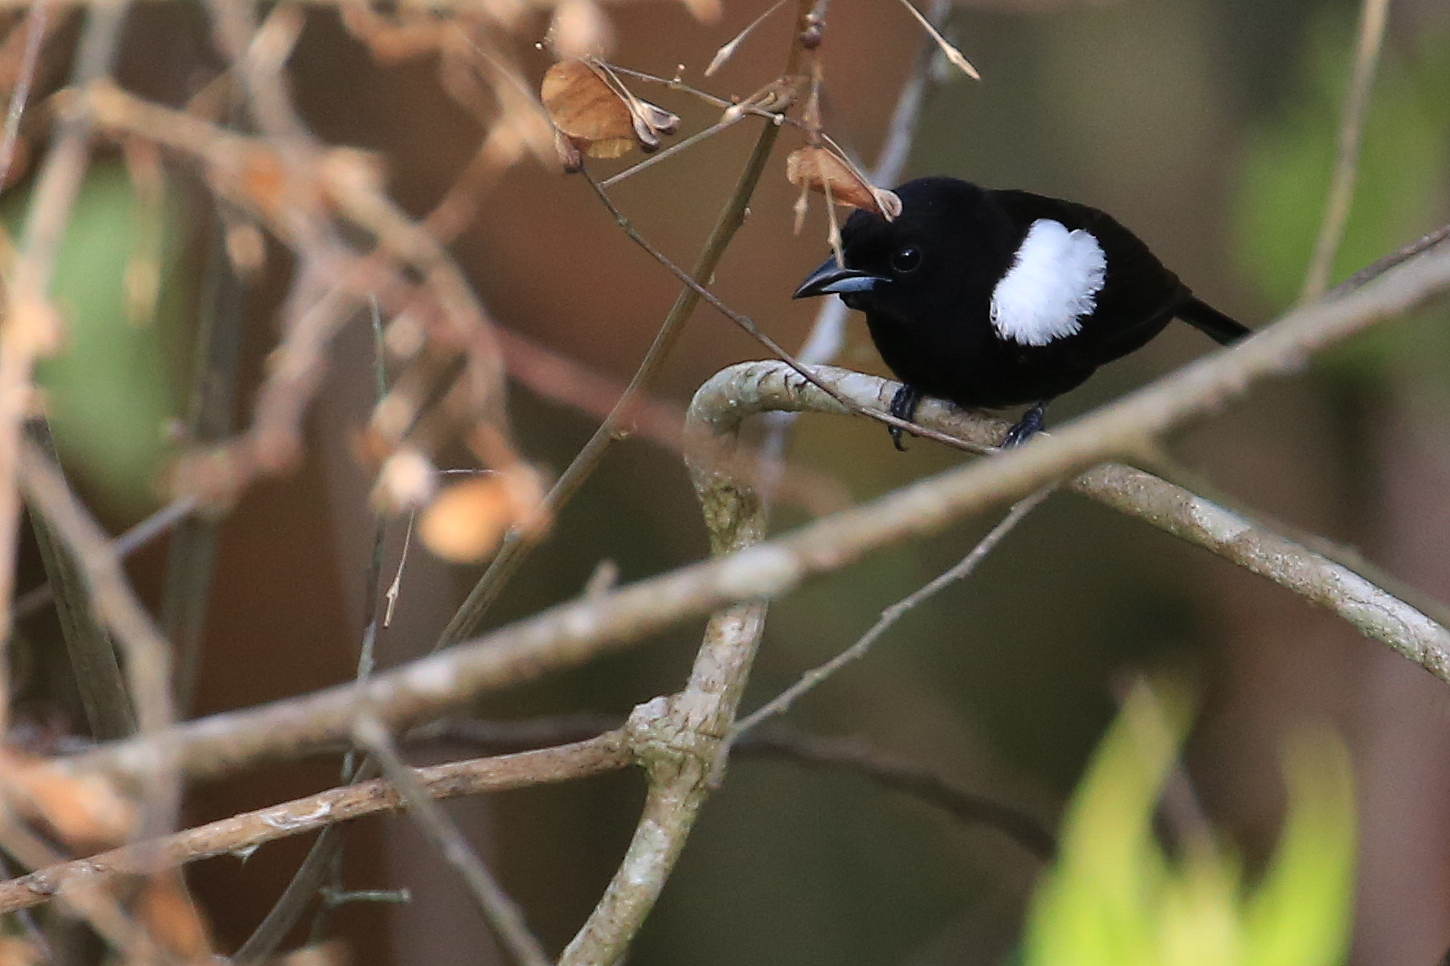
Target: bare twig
{"x":572,"y":633}
{"x":501,"y":912}
{"x":916,"y":779}
{"x":913,"y":778}
{"x":249,"y":830}
{"x":97,"y":906}
{"x":1372,"y":17}
{"x":134,"y":538}
{"x":958,"y":572}
{"x":36,"y":24}
{"x":191,"y":555}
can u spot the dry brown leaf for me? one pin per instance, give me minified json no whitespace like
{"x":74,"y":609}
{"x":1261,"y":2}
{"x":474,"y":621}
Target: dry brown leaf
{"x":84,"y":811}
{"x":597,"y":115}
{"x":172,"y":919}
{"x":814,"y":167}
{"x":467,"y":520}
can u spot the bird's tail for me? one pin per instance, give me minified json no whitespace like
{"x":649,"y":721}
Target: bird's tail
{"x":1211,"y":322}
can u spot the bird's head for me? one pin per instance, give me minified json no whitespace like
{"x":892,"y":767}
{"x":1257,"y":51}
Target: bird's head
{"x":921,"y":260}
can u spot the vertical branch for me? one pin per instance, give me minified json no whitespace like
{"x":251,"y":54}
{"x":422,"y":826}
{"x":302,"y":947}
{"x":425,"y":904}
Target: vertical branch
{"x":1372,"y":17}
{"x":98,"y":677}
{"x":148,"y":656}
{"x":32,"y":327}
{"x":191,"y":557}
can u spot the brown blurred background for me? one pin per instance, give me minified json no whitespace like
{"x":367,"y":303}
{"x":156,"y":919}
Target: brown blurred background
{"x":1207,"y":127}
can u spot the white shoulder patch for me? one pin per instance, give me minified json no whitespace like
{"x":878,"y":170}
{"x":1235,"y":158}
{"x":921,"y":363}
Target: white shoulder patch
{"x":1052,"y":284}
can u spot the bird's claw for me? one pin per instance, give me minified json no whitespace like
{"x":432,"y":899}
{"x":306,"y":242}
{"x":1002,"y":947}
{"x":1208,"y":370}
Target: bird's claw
{"x":903,"y":406}
{"x":1025,"y":428}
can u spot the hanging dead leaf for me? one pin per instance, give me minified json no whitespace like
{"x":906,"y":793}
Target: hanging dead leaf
{"x":597,"y":115}
{"x":85,"y":811}
{"x":467,"y":520}
{"x":815,"y":167}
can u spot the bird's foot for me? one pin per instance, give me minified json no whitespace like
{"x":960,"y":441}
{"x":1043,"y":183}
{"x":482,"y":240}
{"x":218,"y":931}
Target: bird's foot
{"x":903,"y":406}
{"x":1028,"y":426}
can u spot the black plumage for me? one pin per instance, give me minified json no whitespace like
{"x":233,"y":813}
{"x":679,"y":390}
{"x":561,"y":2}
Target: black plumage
{"x":934,"y":285}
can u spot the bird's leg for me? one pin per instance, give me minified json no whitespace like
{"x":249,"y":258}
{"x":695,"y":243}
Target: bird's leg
{"x":1026,"y":427}
{"x":903,"y":406}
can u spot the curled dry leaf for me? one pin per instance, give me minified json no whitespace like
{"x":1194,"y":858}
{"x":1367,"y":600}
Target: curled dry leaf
{"x":597,"y":116}
{"x":814,"y":167}
{"x":84,"y":811}
{"x":468,"y":519}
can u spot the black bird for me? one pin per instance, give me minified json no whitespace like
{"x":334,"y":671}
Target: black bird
{"x":998,"y":298}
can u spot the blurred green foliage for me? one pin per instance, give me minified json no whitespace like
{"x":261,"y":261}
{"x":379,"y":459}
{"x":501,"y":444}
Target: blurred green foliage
{"x":1115,"y":898}
{"x":1400,"y":193}
{"x":109,"y":392}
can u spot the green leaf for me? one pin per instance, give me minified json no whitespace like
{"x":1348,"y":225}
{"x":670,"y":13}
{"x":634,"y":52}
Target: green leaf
{"x":109,"y":392}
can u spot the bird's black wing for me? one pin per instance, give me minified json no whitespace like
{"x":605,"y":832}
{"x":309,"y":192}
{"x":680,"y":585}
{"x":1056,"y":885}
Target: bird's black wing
{"x":1139,"y":295}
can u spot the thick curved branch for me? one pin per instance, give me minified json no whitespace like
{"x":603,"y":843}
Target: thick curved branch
{"x":578,"y":631}
{"x":756,"y":387}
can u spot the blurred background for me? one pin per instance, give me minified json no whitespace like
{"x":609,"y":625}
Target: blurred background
{"x":1207,"y":126}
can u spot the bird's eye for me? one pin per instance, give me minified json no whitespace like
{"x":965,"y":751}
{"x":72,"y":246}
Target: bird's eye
{"x":906,"y":260}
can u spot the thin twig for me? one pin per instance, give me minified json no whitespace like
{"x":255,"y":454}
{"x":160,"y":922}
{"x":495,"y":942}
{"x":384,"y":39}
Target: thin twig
{"x":728,"y":121}
{"x":191,"y":555}
{"x":917,"y":779}
{"x":498,"y":909}
{"x":914,"y":778}
{"x":1372,"y":17}
{"x":959,"y":571}
{"x":131,"y":540}
{"x":35,"y":28}
{"x":517,"y":545}
{"x":748,"y":326}
{"x":248,"y":830}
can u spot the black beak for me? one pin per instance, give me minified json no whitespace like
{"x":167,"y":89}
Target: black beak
{"x":830,"y":278}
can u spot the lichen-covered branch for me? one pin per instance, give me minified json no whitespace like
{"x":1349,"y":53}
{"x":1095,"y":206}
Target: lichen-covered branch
{"x":755,"y":387}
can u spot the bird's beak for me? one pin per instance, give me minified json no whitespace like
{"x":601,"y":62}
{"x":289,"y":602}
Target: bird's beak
{"x":831,"y":278}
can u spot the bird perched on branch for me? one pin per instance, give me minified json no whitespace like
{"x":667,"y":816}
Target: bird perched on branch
{"x":1001,"y":298}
